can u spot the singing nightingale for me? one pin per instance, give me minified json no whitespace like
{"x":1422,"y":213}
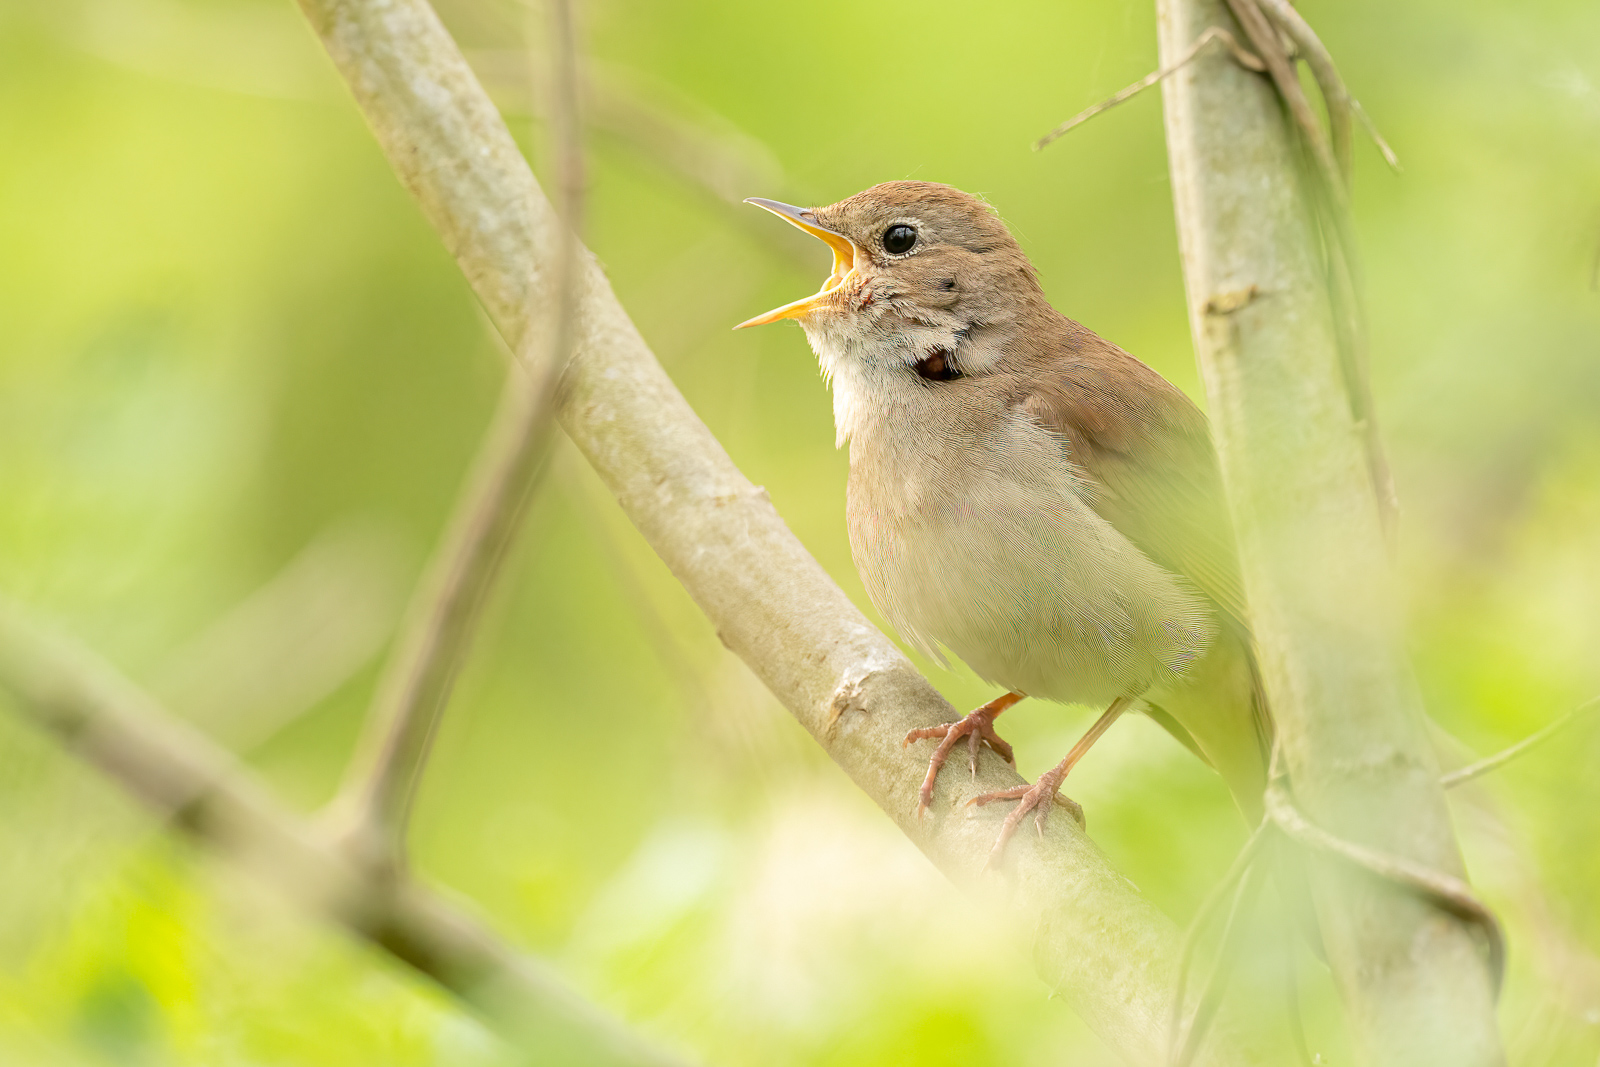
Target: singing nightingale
{"x":1023,"y":493}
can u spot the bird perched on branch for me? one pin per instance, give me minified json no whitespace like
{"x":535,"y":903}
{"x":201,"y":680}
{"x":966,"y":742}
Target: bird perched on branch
{"x":1024,"y":493}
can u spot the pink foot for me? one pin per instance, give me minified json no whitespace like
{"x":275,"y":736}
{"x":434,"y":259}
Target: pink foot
{"x":975,"y":727}
{"x":1041,"y":796}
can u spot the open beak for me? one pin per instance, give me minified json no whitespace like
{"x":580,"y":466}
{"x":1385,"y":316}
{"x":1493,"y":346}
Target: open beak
{"x":844,"y":259}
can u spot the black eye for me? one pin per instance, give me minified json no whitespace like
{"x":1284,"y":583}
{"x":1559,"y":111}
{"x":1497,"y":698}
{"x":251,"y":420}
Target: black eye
{"x":899,"y":238}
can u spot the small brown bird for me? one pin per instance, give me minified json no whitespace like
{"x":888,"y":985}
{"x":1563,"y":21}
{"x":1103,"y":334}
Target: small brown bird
{"x":1023,"y":493}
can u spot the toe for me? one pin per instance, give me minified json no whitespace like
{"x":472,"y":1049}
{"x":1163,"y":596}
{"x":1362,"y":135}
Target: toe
{"x":923,"y":733}
{"x":1074,"y":809}
{"x":1000,"y":794}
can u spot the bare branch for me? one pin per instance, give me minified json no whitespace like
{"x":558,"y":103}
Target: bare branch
{"x":106,"y":720}
{"x":1330,"y":201}
{"x":374,"y":807}
{"x":1264,"y":38}
{"x":1331,"y":85}
{"x":1262,"y":21}
{"x":1094,"y":937}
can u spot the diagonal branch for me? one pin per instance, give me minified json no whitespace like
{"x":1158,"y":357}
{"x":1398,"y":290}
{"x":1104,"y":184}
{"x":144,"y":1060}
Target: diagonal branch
{"x":374,"y":806}
{"x":1108,"y":951}
{"x":108,"y":722}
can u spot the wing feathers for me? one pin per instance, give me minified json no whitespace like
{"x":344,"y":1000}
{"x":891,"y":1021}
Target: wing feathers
{"x":1147,"y":450}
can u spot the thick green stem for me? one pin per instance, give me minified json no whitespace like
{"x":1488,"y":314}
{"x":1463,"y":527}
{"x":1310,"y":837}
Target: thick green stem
{"x":1414,"y":979}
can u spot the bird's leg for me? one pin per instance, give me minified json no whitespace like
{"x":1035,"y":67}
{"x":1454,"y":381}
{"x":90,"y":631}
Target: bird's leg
{"x":1042,"y":793}
{"x":977,"y":726}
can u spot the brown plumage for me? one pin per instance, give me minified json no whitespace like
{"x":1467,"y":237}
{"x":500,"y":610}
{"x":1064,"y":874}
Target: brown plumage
{"x":1023,"y":492}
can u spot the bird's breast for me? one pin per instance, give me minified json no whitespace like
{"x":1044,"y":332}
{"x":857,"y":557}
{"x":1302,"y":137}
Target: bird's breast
{"x":978,"y":536}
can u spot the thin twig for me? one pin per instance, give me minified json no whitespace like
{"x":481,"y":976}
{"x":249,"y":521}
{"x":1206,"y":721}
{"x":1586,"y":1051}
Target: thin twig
{"x":1346,"y":297}
{"x":1222,"y":969}
{"x":103,"y":718}
{"x":1371,"y":127}
{"x":1340,"y":689}
{"x":1264,"y":38}
{"x":1341,"y":105}
{"x":1334,"y":165}
{"x":1334,"y":93}
{"x":1242,"y":864}
{"x":1202,"y":918}
{"x":1216,"y":33}
{"x":374,"y":807}
{"x":1501,"y":758}
{"x":1331,"y":194}
{"x":1345,"y":266}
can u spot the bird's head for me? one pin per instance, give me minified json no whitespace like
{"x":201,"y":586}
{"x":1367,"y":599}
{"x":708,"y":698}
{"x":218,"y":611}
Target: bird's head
{"x":918,"y":267}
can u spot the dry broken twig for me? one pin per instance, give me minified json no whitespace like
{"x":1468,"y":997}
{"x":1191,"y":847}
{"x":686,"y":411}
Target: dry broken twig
{"x":1216,"y":33}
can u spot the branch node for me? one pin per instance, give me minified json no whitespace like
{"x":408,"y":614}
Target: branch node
{"x":1231,"y":301}
{"x":850,"y":696}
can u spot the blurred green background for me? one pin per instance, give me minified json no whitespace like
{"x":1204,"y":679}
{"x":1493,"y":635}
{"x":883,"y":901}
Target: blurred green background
{"x":240,"y":379}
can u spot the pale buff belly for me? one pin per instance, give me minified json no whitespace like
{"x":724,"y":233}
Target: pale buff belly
{"x":1007,"y":567}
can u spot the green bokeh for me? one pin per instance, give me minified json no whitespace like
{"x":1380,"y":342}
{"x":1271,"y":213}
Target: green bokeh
{"x":231,"y":348}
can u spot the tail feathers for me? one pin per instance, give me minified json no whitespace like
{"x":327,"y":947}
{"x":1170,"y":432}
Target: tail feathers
{"x":1220,"y":713}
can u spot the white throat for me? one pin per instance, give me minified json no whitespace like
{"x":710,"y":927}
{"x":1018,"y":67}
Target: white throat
{"x":869,"y":365}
